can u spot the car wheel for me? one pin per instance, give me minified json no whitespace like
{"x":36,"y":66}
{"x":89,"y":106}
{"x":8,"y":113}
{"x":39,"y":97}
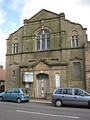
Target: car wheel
{"x":58,"y":103}
{"x":89,"y":104}
{"x":1,"y":98}
{"x":18,"y":100}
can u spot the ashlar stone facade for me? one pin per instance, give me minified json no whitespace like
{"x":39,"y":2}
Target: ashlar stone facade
{"x":48,"y":51}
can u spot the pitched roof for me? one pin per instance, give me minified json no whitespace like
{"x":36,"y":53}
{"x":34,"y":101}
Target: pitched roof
{"x":42,"y":15}
{"x":2,"y":73}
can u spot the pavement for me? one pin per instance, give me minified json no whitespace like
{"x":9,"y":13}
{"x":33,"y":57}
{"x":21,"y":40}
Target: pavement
{"x":40,"y":101}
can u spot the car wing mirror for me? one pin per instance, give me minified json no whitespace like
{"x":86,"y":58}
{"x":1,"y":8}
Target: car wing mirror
{"x":83,"y":95}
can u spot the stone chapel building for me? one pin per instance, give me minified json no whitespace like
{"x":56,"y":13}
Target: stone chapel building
{"x":47,"y":52}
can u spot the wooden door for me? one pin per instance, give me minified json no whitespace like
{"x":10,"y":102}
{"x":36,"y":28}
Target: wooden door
{"x":42,"y":87}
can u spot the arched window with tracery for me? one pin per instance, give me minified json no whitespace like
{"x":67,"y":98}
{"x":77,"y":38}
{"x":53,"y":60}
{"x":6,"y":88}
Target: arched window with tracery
{"x":43,"y":40}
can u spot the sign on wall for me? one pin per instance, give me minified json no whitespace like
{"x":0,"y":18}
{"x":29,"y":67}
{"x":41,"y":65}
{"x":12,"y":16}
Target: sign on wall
{"x":28,"y":77}
{"x":26,"y":85}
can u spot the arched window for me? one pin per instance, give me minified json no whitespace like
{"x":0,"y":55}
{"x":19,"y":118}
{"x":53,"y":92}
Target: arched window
{"x":42,"y":76}
{"x":15,"y":48}
{"x":43,"y":40}
{"x":57,"y":78}
{"x":74,"y":39}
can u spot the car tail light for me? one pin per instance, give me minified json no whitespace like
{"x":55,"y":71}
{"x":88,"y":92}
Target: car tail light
{"x":22,"y":95}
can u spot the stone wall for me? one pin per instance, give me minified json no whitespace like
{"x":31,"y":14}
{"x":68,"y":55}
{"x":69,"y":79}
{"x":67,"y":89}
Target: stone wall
{"x":58,"y":59}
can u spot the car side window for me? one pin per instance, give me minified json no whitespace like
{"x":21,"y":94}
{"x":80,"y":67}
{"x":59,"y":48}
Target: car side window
{"x":16,"y":91}
{"x":67,"y":91}
{"x":9,"y":91}
{"x":64,"y":91}
{"x":78,"y":92}
{"x":85,"y":94}
{"x":58,"y":91}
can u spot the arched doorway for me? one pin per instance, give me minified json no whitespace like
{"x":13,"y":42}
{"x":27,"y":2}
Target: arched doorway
{"x":42,"y":85}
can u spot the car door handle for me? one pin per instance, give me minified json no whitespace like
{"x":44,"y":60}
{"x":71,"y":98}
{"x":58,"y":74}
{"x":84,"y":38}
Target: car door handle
{"x":74,"y":97}
{"x":62,"y":96}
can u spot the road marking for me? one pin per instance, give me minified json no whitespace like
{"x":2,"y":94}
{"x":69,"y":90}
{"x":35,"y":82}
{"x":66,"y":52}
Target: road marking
{"x":52,"y":115}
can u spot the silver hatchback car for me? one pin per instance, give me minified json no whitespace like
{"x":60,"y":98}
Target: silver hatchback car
{"x":70,"y":96}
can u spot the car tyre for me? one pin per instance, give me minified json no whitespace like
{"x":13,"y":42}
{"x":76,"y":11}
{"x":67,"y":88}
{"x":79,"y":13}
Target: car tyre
{"x":1,"y":98}
{"x":27,"y":100}
{"x":89,"y":104}
{"x":58,"y":103}
{"x":18,"y":100}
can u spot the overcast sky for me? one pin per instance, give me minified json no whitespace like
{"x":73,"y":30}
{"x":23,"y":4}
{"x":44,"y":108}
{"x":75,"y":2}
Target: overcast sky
{"x":13,"y":12}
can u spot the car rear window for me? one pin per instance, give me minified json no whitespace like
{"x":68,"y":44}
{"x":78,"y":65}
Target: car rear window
{"x":58,"y":91}
{"x":24,"y":90}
